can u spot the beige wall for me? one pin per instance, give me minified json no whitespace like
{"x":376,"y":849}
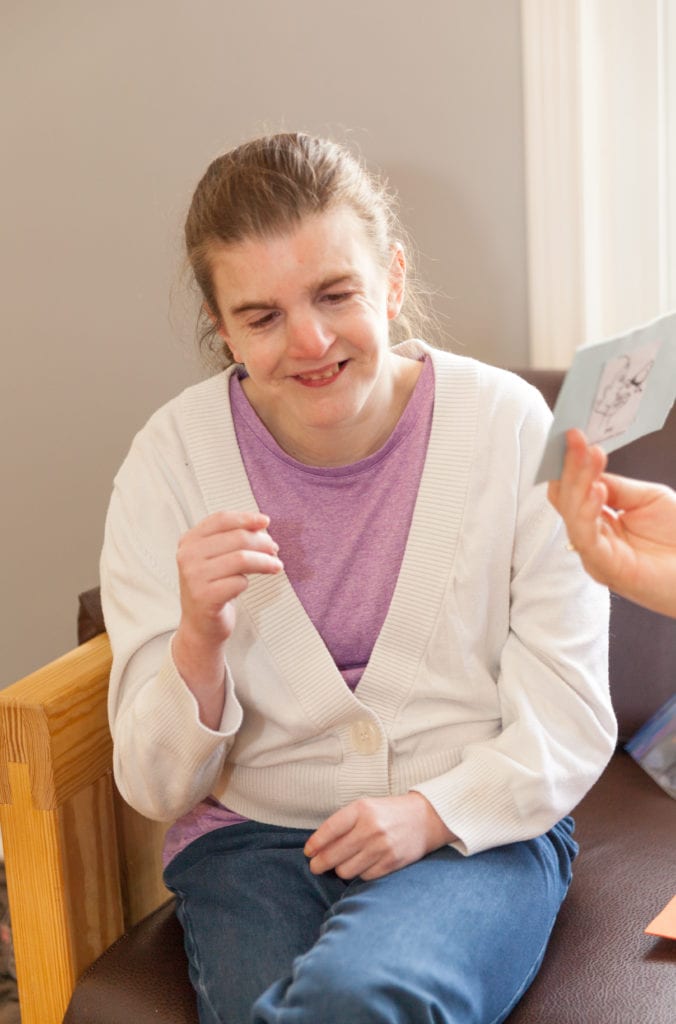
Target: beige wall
{"x":111,"y":112}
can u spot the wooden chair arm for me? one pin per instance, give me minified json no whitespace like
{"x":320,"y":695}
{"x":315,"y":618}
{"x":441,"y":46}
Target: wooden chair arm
{"x":81,"y":866}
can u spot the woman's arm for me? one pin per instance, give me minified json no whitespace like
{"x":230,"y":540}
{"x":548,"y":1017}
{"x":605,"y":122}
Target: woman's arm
{"x":623,"y":530}
{"x":555,"y":725}
{"x":169,"y":575}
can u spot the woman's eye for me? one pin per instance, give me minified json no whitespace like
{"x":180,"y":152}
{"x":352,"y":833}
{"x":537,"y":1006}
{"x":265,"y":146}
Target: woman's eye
{"x":263,"y":321}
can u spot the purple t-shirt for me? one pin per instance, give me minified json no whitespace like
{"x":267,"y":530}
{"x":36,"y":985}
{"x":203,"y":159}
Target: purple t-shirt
{"x":342,"y":533}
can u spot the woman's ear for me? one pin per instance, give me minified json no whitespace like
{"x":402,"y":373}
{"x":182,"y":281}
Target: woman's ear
{"x":221,"y":330}
{"x":396,"y":281}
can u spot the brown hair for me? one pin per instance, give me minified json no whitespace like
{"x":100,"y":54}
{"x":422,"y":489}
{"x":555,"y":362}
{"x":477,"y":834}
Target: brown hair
{"x":266,"y":187}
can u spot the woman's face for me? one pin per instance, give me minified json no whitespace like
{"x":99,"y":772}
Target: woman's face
{"x":307,"y":314}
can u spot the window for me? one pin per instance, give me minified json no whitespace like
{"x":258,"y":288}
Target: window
{"x":600,"y":117}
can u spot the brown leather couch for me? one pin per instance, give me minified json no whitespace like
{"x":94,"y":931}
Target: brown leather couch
{"x":600,"y":967}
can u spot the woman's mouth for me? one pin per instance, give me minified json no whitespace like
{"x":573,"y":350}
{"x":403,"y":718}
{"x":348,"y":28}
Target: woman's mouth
{"x":323,"y":376}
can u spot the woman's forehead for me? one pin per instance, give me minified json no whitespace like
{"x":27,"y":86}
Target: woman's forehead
{"x":326,"y":246}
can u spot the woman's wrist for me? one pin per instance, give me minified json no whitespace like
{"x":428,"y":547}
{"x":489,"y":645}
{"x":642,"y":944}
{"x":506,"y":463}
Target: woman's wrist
{"x":199,"y":661}
{"x":437,"y":833}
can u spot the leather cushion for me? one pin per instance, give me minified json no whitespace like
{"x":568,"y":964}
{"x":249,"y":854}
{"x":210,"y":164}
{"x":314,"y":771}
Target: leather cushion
{"x":600,"y":966}
{"x":142,"y":978}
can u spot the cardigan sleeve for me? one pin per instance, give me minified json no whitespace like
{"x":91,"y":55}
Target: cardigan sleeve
{"x":165,"y":759}
{"x":557,"y":727}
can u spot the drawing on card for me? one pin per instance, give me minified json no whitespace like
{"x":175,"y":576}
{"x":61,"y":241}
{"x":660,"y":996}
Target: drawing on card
{"x":620,"y":392}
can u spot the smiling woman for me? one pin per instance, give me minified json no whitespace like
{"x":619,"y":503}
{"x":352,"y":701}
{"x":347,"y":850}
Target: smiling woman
{"x":353,"y":662}
{"x":307,"y":314}
{"x":267,"y":187}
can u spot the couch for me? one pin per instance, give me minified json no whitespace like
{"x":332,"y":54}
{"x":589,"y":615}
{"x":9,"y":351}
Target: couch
{"x":96,"y":938}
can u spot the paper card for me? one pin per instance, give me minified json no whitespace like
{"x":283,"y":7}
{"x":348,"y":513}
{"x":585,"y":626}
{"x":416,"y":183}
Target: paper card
{"x":664,"y":924}
{"x":616,"y":391}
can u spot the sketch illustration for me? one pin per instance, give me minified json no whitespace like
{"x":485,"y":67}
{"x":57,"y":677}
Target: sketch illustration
{"x":620,"y":392}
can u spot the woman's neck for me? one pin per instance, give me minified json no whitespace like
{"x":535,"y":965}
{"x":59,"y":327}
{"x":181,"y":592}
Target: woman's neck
{"x":337,"y":445}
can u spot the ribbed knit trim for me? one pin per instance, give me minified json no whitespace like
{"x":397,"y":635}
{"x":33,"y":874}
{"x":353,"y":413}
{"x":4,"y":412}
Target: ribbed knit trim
{"x":474,"y":783}
{"x":278,"y":615}
{"x":433,"y":538}
{"x":271,"y":601}
{"x":177,"y":715}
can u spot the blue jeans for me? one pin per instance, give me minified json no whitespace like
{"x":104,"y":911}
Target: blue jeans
{"x":447,"y":940}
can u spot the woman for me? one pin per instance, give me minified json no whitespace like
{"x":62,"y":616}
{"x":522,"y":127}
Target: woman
{"x":633,"y":551}
{"x":354,"y":663}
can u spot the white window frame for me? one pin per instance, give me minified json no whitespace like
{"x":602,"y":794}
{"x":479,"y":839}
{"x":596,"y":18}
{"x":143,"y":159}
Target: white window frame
{"x":600,"y":127}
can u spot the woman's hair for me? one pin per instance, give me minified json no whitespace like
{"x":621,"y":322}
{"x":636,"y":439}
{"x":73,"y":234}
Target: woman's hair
{"x":266,"y":187}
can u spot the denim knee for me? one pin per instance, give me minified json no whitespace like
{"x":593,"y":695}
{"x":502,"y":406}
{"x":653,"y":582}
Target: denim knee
{"x":356,"y":992}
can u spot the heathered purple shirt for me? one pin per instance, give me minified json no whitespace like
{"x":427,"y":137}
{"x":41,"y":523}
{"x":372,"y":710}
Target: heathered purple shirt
{"x":342,"y":533}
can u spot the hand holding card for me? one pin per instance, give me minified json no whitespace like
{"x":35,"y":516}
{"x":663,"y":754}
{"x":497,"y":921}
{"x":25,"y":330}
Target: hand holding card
{"x":615,"y":391}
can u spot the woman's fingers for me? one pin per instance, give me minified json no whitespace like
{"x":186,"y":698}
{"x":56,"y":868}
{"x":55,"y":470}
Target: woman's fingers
{"x":580,"y":494}
{"x":373,"y":836}
{"x":219,"y":556}
{"x":214,"y":560}
{"x":224,"y":521}
{"x":240,"y":563}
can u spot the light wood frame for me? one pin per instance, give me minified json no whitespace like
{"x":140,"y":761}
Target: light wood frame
{"x":81,"y":866}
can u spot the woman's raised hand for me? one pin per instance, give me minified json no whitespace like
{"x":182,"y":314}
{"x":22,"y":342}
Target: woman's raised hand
{"x":623,"y":530}
{"x":214,"y":560}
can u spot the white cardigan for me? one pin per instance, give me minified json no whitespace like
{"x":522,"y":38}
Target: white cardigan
{"x":487,"y":687}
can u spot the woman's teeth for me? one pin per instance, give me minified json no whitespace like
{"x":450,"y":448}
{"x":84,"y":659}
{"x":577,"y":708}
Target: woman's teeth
{"x":330,"y":371}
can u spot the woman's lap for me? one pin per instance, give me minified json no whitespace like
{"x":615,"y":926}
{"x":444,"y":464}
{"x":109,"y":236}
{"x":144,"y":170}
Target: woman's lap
{"x":448,"y":939}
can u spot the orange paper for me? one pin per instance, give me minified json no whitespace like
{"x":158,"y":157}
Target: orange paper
{"x":665,"y":922}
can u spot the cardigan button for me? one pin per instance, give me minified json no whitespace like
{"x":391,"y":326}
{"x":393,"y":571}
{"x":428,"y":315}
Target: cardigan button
{"x":365,"y":736}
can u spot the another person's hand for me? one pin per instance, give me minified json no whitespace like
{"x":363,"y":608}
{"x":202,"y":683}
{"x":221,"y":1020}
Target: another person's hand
{"x":623,"y":530}
{"x":214,"y":560}
{"x":374,"y":836}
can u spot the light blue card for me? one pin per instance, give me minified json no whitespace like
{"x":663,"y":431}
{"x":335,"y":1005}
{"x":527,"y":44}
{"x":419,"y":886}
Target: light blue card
{"x":616,"y":391}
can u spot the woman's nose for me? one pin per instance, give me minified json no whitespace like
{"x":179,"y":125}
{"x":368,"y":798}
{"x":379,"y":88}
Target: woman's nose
{"x":309,"y":337}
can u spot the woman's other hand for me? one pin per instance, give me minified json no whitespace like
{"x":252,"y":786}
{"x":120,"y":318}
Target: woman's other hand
{"x":374,"y":836}
{"x":623,"y":530}
{"x":214,"y":560}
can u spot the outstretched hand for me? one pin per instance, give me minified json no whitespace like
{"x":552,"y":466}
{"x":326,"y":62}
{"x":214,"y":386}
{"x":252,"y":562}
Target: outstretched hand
{"x":623,"y":530}
{"x":374,"y":836}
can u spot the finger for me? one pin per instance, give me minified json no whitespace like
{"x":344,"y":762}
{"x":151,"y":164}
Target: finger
{"x":584,"y":522}
{"x":337,"y":825}
{"x":219,"y":593}
{"x":208,"y":583}
{"x":554,"y":494}
{"x":629,"y":494}
{"x":360,"y":865}
{"x":214,"y":545}
{"x":221,"y":522}
{"x":351,"y":845}
{"x":579,"y":467}
{"x":561,"y":492}
{"x":240,"y":563}
{"x":576,"y":497}
{"x":576,"y":442}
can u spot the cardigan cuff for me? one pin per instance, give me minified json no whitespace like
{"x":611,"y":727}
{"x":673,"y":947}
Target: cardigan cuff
{"x":477,"y":807}
{"x":176,"y":722}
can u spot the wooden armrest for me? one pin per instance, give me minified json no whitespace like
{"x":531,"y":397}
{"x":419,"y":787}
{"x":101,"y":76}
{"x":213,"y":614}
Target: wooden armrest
{"x":81,"y":866}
